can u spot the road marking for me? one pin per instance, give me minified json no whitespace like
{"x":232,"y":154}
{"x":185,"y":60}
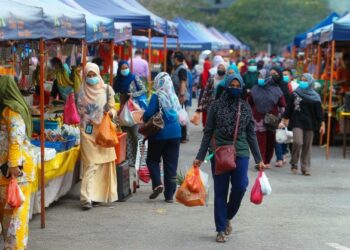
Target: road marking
{"x":338,"y":246}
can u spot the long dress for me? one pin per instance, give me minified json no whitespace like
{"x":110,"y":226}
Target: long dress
{"x":15,"y":150}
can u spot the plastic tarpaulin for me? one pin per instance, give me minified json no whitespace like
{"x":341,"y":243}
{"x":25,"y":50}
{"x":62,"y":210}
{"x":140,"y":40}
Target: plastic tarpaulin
{"x":237,"y":44}
{"x":123,"y":32}
{"x":328,"y":20}
{"x":21,"y":22}
{"x":338,"y":31}
{"x":63,"y":23}
{"x":227,"y":44}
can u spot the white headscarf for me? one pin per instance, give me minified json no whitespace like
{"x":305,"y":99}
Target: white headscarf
{"x":164,"y":87}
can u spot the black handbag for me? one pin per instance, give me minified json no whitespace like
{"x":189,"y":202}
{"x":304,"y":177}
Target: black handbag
{"x":271,"y":121}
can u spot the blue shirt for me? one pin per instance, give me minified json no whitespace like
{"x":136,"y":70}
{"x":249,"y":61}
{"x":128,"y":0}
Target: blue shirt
{"x":171,"y":130}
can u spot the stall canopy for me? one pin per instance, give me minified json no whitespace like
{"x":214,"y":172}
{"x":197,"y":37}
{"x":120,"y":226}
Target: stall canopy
{"x":21,"y":22}
{"x":63,"y":23}
{"x":328,"y":20}
{"x":119,"y":11}
{"x":221,"y":37}
{"x":208,"y":36}
{"x":236,"y":44}
{"x":338,"y":31}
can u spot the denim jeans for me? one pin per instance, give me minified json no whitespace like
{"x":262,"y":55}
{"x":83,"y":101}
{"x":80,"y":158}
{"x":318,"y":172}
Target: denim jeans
{"x":169,"y":151}
{"x":280,"y":150}
{"x":225,"y":210}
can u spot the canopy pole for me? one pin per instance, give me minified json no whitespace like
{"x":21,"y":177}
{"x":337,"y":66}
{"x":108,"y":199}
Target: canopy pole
{"x":131,"y":59}
{"x":318,"y":69}
{"x":306,"y":59}
{"x":84,"y":53}
{"x":294,"y":49}
{"x":149,"y":61}
{"x":42,"y":133}
{"x":112,"y":60}
{"x":120,"y":52}
{"x":330,"y":101}
{"x":325,"y":85}
{"x":165,"y":51}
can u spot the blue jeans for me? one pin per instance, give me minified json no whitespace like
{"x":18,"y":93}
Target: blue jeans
{"x":280,"y":149}
{"x":224,"y":210}
{"x":169,"y":151}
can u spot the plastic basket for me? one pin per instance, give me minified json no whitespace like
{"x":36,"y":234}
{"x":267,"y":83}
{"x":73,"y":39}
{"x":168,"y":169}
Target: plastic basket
{"x":58,"y":146}
{"x":48,"y":125}
{"x":70,"y":143}
{"x":120,"y":148}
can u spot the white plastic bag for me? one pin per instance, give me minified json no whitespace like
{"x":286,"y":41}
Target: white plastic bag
{"x":284,"y":136}
{"x":183,"y":117}
{"x":265,"y":184}
{"x":205,"y":181}
{"x":125,"y":117}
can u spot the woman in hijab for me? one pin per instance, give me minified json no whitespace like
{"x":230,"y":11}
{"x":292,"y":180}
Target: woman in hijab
{"x":208,"y":95}
{"x":231,"y":70}
{"x":166,"y":143}
{"x":251,"y":77}
{"x":16,"y":161}
{"x":265,"y":98}
{"x":304,"y":115}
{"x":128,"y":86}
{"x":99,"y":182}
{"x":221,"y":123}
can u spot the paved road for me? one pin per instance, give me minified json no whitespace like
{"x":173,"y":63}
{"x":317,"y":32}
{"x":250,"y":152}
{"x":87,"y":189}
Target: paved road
{"x":302,"y":213}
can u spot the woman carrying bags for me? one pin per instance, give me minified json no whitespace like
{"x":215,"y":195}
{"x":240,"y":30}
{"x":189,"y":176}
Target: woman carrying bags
{"x":303,"y":115}
{"x":166,"y":143}
{"x":99,"y":182}
{"x":16,"y":161}
{"x":221,"y":127}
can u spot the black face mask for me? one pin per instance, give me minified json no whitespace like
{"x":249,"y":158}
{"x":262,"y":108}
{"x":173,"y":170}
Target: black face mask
{"x":276,"y":78}
{"x":221,"y":72}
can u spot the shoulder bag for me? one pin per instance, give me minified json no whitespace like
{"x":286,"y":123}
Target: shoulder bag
{"x":154,"y":124}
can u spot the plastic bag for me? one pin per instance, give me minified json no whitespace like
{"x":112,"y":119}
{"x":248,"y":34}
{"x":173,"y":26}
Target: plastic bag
{"x":196,"y":118}
{"x":70,"y":112}
{"x":15,"y":196}
{"x":183,"y":116}
{"x":283,"y":136}
{"x":256,"y":195}
{"x":107,"y":133}
{"x":185,"y":196}
{"x":265,"y":184}
{"x":131,"y":114}
{"x":144,"y":174}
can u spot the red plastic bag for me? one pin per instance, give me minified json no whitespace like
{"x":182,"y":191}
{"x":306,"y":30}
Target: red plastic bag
{"x":15,"y":197}
{"x":70,"y":113}
{"x":144,"y":174}
{"x":256,"y":195}
{"x":185,"y":196}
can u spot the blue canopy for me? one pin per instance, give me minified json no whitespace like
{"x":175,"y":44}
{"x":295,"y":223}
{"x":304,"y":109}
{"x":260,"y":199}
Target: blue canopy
{"x":63,"y":23}
{"x":235,"y":43}
{"x":328,"y":20}
{"x":338,"y":31}
{"x":227,"y":44}
{"x":21,"y":22}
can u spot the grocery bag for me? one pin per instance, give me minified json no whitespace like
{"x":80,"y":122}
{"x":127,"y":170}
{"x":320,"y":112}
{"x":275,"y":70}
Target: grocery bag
{"x":15,"y":196}
{"x":183,"y":116}
{"x":265,"y":184}
{"x":131,"y":114}
{"x":70,"y":112}
{"x":107,"y":133}
{"x":256,"y":195}
{"x":196,"y":118}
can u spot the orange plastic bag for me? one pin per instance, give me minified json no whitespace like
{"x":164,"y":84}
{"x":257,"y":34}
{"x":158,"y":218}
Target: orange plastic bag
{"x":192,"y":181}
{"x":15,"y":197}
{"x":196,"y":118}
{"x":107,"y":133}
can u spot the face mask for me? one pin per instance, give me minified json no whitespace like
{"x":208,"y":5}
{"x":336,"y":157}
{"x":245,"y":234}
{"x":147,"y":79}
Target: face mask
{"x":234,"y":92}
{"x":252,"y":68}
{"x":261,"y":82}
{"x":303,"y":84}
{"x":92,"y":80}
{"x":221,"y":72}
{"x":286,"y":79}
{"x":125,"y":72}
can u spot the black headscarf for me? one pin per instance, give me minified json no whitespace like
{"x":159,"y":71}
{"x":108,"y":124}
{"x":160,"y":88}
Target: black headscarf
{"x":280,"y":83}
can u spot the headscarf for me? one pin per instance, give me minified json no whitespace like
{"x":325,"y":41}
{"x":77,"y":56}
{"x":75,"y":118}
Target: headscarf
{"x":206,"y":74}
{"x":163,"y":85}
{"x":283,"y":86}
{"x":234,"y":68}
{"x":11,"y":97}
{"x":122,"y":83}
{"x":267,"y":96}
{"x":309,"y":93}
{"x":226,"y":108}
{"x":263,"y":73}
{"x":217,"y":60}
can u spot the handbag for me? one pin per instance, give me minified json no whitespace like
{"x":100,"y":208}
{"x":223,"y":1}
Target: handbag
{"x":225,"y":156}
{"x":271,"y":121}
{"x":154,"y":124}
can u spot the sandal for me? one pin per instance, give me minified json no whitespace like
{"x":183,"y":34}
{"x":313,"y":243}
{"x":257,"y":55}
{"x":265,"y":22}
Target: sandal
{"x":294,"y":169}
{"x":228,"y":230}
{"x":221,"y":238}
{"x":156,"y":192}
{"x":86,"y":206}
{"x":279,"y":164}
{"x":305,"y":173}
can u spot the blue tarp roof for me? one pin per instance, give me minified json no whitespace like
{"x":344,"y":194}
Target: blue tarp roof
{"x":21,"y":22}
{"x":62,"y":23}
{"x":227,"y":44}
{"x":121,"y":12}
{"x":235,"y":43}
{"x":328,"y":20}
{"x":338,"y":31}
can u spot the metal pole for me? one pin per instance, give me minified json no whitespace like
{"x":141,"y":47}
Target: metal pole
{"x":42,"y":133}
{"x":84,"y":53}
{"x":149,"y":61}
{"x":330,"y":102}
{"x":325,"y":85}
{"x":112,"y":60}
{"x":318,"y":61}
{"x":165,"y":51}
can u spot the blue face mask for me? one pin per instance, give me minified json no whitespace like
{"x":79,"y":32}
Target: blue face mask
{"x":125,"y":72}
{"x":261,"y":82}
{"x":286,"y":79}
{"x":252,"y":68}
{"x":92,"y":80}
{"x":303,"y":85}
{"x":234,"y":92}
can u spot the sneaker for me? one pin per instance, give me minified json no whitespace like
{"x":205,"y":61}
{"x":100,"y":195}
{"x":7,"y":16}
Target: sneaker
{"x":156,"y":192}
{"x":169,"y":201}
{"x":220,"y":237}
{"x":228,"y":230}
{"x":86,"y":206}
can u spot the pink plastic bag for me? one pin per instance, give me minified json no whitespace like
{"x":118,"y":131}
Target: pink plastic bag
{"x":256,"y":195}
{"x":70,"y":113}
